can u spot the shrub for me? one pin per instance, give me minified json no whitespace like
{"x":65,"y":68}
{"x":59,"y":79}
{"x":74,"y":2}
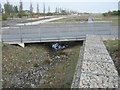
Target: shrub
{"x":49,"y":14}
{"x":4,"y":17}
{"x":22,"y":14}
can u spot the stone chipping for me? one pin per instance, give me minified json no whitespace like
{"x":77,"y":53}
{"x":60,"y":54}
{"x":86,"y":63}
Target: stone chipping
{"x":96,"y":68}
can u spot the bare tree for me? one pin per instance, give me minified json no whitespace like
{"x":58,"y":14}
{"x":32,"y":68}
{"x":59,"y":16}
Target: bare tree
{"x":56,"y":10}
{"x":60,"y":10}
{"x":48,"y":9}
{"x":0,"y":8}
{"x":21,"y":7}
{"x":44,"y":8}
{"x":37,"y":8}
{"x":31,"y":8}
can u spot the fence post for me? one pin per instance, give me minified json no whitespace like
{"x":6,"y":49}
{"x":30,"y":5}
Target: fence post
{"x":21,"y":34}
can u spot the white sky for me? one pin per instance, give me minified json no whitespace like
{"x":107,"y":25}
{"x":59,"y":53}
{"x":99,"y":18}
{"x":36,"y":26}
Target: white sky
{"x":91,"y":6}
{"x":61,"y":0}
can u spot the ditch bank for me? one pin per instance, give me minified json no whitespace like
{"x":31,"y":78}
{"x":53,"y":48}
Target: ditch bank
{"x":39,"y":65}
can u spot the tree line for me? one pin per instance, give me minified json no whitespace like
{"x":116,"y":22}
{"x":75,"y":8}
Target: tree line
{"x":112,"y":13}
{"x":11,"y":11}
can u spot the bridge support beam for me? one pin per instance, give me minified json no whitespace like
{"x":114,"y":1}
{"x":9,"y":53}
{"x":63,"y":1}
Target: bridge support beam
{"x":21,"y":44}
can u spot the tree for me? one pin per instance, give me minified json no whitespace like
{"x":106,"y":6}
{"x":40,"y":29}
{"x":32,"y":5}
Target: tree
{"x":21,"y":7}
{"x":110,"y":13}
{"x":56,"y":10}
{"x":0,"y":8}
{"x":44,"y":8}
{"x":31,"y":8}
{"x":15,"y":9}
{"x":7,"y":8}
{"x":64,"y":12}
{"x":11,"y":9}
{"x":48,"y":9}
{"x":37,"y":8}
{"x":60,"y":10}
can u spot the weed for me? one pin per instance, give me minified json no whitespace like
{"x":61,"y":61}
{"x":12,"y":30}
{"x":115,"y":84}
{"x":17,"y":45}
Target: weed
{"x":35,"y":65}
{"x":62,"y":53}
{"x":47,"y":60}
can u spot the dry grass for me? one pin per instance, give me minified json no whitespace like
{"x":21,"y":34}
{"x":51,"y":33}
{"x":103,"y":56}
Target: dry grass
{"x":61,"y":74}
{"x":113,"y":19}
{"x":71,"y":19}
{"x":113,"y":48}
{"x":17,"y":60}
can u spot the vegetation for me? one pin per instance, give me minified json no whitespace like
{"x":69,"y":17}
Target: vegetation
{"x":23,"y":59}
{"x":35,"y":65}
{"x":113,"y":48}
{"x":12,"y":11}
{"x":17,"y":60}
{"x":112,"y":13}
{"x":8,"y":8}
{"x":4,"y":17}
{"x":47,"y":60}
{"x":60,"y":75}
{"x":114,"y":20}
{"x":62,"y":53}
{"x":71,"y":19}
{"x":20,"y":15}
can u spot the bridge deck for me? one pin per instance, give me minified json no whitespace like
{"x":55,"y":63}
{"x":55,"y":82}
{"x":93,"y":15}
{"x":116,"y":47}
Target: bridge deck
{"x":56,"y":32}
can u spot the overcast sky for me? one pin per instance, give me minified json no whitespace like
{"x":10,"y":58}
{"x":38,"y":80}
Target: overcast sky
{"x":91,"y":6}
{"x":62,"y":0}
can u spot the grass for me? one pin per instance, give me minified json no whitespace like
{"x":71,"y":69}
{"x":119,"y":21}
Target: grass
{"x":16,"y":60}
{"x":47,"y":60}
{"x":22,"y":58}
{"x":113,"y":19}
{"x":71,"y":19}
{"x":61,"y":53}
{"x":0,"y":16}
{"x":61,"y":74}
{"x":34,"y":20}
{"x":113,"y":48}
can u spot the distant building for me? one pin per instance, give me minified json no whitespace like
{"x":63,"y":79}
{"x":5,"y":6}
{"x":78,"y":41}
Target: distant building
{"x":26,"y":11}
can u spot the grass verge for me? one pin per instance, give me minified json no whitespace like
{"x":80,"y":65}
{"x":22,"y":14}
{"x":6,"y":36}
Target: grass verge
{"x":113,"y":19}
{"x":70,"y":19}
{"x":113,"y":48}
